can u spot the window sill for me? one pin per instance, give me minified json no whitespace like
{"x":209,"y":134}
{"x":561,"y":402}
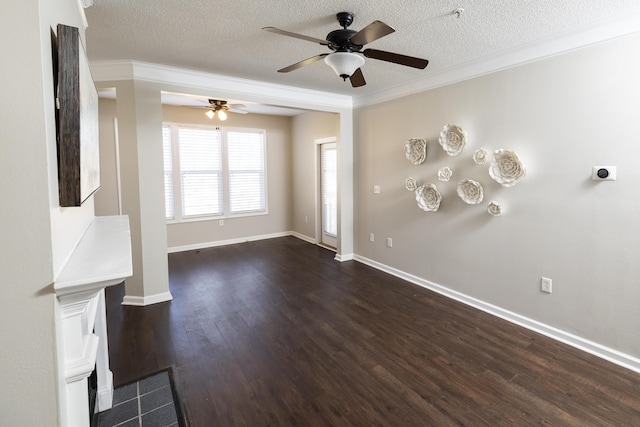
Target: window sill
{"x":215,"y":218}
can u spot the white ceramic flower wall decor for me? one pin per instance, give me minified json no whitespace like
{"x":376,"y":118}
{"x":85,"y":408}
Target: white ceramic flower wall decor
{"x":494,"y":208}
{"x":416,"y":150}
{"x":470,"y":191}
{"x":506,"y":168}
{"x":480,"y":157}
{"x":453,"y":139}
{"x":428,"y":198}
{"x":445,"y":173}
{"x":410,"y":184}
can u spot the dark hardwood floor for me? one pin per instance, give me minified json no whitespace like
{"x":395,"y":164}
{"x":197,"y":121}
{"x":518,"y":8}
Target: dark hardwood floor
{"x":277,"y":333}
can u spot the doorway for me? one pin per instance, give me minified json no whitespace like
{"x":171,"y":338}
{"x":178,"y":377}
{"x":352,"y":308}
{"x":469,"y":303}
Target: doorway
{"x":328,"y":192}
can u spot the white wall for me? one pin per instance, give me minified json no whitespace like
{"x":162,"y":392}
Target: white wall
{"x":562,"y":115}
{"x":37,"y":235}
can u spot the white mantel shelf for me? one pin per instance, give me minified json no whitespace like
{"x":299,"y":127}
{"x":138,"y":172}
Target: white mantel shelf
{"x":101,"y":259}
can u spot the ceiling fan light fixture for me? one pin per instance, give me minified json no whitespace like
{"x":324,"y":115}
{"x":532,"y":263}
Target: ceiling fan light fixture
{"x":344,"y":63}
{"x":210,"y":113}
{"x":222,"y":115}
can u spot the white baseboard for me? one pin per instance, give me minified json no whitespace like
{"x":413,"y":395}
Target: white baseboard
{"x":338,"y":257}
{"x":105,"y":393}
{"x":303,"y":237}
{"x":606,"y":353}
{"x":344,"y":257}
{"x":146,"y":300}
{"x":216,"y":243}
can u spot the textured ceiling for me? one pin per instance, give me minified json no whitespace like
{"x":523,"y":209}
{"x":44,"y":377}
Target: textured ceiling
{"x":225,"y":36}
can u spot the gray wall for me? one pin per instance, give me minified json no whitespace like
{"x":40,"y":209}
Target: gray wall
{"x":562,"y":115}
{"x":206,"y":233}
{"x":139,"y":130}
{"x":307,"y":128}
{"x":278,"y":219}
{"x":106,"y":198}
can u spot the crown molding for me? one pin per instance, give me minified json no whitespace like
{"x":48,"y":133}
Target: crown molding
{"x":600,"y":31}
{"x":102,"y":71}
{"x":232,"y":87}
{"x":276,"y":94}
{"x":82,"y":4}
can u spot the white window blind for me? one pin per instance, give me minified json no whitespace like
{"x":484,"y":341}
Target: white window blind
{"x":246,"y":171}
{"x":168,"y":172}
{"x":210,"y":172}
{"x":200,"y":153}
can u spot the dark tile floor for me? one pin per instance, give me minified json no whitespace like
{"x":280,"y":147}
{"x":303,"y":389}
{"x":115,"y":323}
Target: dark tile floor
{"x":145,"y":403}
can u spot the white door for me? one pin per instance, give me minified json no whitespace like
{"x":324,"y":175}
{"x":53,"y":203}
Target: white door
{"x":329,"y":194}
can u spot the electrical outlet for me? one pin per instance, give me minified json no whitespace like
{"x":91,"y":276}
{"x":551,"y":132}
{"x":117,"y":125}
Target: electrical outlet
{"x":221,"y":222}
{"x":545,"y":285}
{"x":389,"y":242}
{"x":306,"y":218}
{"x":376,"y":189}
{"x":371,"y":237}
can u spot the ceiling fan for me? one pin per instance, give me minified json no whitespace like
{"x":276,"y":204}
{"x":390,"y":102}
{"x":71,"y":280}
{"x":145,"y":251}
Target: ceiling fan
{"x":221,"y":108}
{"x":346,"y":45}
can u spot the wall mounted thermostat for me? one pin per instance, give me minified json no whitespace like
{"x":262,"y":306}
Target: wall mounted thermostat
{"x":603,"y":173}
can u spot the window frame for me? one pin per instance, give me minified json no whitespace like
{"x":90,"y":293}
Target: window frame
{"x":226,"y":203}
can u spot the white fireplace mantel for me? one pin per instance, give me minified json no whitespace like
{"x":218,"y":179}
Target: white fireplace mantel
{"x":102,"y":258}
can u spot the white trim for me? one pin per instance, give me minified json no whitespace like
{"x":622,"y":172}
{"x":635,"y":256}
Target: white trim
{"x":105,"y":393}
{"x":111,"y":70}
{"x":116,"y":143}
{"x":319,"y":226}
{"x":303,"y":237}
{"x":599,"y":31}
{"x":344,"y":257}
{"x":270,"y":93}
{"x":146,"y":300}
{"x":591,"y":347}
{"x":82,"y":4}
{"x":606,"y":353}
{"x":216,"y":243}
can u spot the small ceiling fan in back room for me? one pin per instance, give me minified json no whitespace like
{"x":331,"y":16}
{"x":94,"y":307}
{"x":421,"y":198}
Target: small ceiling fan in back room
{"x":221,"y":108}
{"x":346,"y":58}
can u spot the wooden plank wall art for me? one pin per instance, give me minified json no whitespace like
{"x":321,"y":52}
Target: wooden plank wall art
{"x":77,"y":120}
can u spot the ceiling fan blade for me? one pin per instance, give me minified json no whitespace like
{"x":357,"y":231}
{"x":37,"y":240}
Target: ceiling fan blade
{"x":396,"y":58}
{"x":303,"y":63}
{"x":237,"y":106}
{"x":235,"y":110}
{"x":295,"y":35}
{"x":371,"y":32}
{"x":357,"y":78}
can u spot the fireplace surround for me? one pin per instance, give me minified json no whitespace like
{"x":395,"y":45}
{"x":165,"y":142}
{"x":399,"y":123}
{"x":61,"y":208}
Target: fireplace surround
{"x":102,"y":258}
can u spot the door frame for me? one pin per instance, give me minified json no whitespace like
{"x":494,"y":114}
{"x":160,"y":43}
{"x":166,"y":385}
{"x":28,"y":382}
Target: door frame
{"x":318,"y":189}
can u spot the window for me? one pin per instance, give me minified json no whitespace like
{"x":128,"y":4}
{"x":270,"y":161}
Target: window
{"x":329,"y":188}
{"x":213,"y":172}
